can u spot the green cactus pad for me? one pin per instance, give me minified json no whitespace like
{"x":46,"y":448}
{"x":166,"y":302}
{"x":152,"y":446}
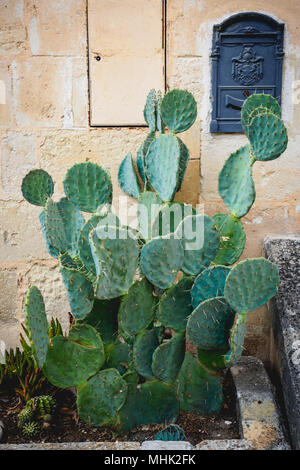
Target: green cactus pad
{"x":267,"y":136}
{"x":88,"y":186}
{"x":198,"y":391}
{"x":104,"y":318}
{"x":175,"y":305}
{"x":84,"y":249}
{"x":142,"y":152}
{"x":131,"y":377}
{"x":178,"y":110}
{"x":148,"y":207}
{"x":159,"y":123}
{"x":115,"y":255}
{"x":150,"y":110}
{"x":127,"y":177}
{"x":236,"y":340}
{"x":63,"y":223}
{"x":209,"y":284}
{"x":173,"y":432}
{"x":118,"y":356}
{"x":168,"y":357}
{"x":258,"y":101}
{"x":151,"y":403}
{"x":236,"y":186}
{"x":162,"y":165}
{"x":169,"y":217}
{"x":200,"y":241}
{"x":209,"y":325}
{"x":80,"y":291}
{"x":37,"y":325}
{"x":160,"y":261}
{"x":37,"y":187}
{"x":143,"y":349}
{"x":232,"y":238}
{"x":51,"y":250}
{"x":212,"y":360}
{"x":183,"y":163}
{"x":137,"y":308}
{"x":100,"y":399}
{"x":250,"y":284}
{"x":71,"y":361}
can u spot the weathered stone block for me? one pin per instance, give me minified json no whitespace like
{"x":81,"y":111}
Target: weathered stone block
{"x":48,"y":279}
{"x":190,"y":188}
{"x":43,"y":92}
{"x":285,"y":319}
{"x":8,"y":297}
{"x":20,"y":232}
{"x":57,"y":27}
{"x":12,"y":28}
{"x":18,"y":156}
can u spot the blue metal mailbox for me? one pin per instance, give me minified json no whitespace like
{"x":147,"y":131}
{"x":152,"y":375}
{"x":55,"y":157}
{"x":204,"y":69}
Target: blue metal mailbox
{"x":247,"y":57}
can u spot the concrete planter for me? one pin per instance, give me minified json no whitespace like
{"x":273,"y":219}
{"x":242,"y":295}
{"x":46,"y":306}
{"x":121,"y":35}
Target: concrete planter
{"x":260,"y":425}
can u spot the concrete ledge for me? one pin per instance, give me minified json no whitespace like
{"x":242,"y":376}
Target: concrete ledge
{"x":285,"y":317}
{"x":260,"y":425}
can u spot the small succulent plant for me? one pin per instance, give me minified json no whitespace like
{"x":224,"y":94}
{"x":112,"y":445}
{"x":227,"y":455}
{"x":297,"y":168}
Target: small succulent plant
{"x":128,"y":287}
{"x":173,"y":432}
{"x":31,"y":429}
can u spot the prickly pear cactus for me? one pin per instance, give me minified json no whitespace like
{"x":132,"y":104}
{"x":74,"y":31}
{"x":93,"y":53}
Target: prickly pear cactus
{"x":139,"y":296}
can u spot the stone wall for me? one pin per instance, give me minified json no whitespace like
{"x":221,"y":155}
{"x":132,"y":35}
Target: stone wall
{"x":44,"y":123}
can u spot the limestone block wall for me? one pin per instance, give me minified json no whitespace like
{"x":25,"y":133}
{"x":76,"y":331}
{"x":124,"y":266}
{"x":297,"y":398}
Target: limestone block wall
{"x":45,"y":123}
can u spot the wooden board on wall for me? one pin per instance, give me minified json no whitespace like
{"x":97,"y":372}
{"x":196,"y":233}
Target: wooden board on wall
{"x":127,"y":36}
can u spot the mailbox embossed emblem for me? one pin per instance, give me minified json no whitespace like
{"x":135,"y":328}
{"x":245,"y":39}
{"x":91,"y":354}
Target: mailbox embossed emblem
{"x":247,"y":58}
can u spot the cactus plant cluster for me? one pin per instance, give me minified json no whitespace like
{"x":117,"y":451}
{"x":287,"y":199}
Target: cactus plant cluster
{"x":139,"y":295}
{"x":39,"y":407}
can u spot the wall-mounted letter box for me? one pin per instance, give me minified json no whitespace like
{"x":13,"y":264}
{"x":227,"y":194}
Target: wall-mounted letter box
{"x":247,"y":57}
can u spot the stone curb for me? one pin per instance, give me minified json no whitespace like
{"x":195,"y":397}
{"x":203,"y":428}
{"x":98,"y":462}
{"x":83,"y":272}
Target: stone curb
{"x":259,"y":421}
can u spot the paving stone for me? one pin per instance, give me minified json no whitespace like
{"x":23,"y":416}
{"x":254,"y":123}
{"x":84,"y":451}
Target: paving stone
{"x":166,"y":445}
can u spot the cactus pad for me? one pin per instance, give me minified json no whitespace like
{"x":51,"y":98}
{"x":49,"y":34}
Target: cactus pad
{"x":143,"y":349}
{"x":161,"y":259}
{"x":88,"y":186}
{"x":151,"y":403}
{"x":104,"y":318}
{"x":169,"y":216}
{"x":232,"y":238}
{"x":209,"y":325}
{"x":71,"y":361}
{"x":197,"y":390}
{"x":100,"y":399}
{"x":236,"y":340}
{"x":175,"y":305}
{"x":80,"y":291}
{"x":148,"y":207}
{"x":200,"y":241}
{"x":115,"y":255}
{"x":36,"y":322}
{"x":118,"y":356}
{"x":209,"y":284}
{"x":63,"y":223}
{"x":178,"y":110}
{"x":37,"y":187}
{"x":168,"y":357}
{"x":236,"y":186}
{"x":142,"y":152}
{"x":267,"y":136}
{"x":51,"y":250}
{"x":258,"y":102}
{"x":150,"y":110}
{"x":127,"y":177}
{"x":250,"y":284}
{"x":137,"y":308}
{"x":162,"y":165}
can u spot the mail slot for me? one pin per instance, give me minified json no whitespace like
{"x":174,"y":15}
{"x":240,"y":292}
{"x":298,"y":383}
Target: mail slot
{"x":247,"y":56}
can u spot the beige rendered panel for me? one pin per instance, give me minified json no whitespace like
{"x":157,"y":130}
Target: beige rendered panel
{"x":128,"y":36}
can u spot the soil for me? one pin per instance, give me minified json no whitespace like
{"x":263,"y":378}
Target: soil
{"x":66,"y":427}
